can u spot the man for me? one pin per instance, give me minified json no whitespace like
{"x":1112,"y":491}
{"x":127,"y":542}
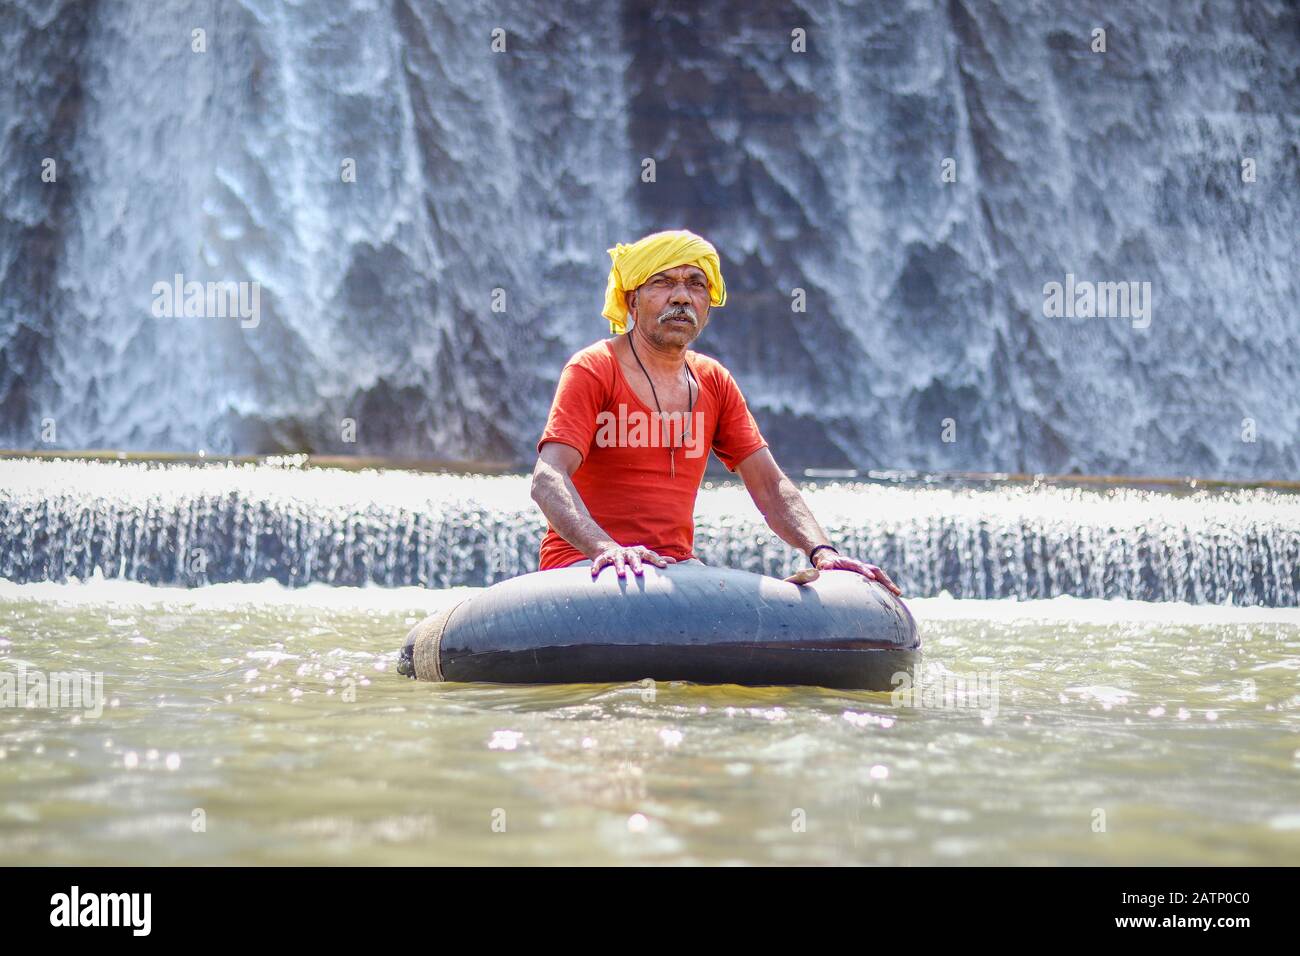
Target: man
{"x":616,"y":492}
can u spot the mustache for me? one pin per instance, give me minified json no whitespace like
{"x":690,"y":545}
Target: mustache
{"x":677,"y":311}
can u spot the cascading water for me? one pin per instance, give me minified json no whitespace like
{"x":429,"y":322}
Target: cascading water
{"x":378,"y":282}
{"x":200,"y":525}
{"x":424,"y":309}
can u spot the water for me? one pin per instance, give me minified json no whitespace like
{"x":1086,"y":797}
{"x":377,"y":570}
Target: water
{"x":276,"y":712}
{"x":220,"y":523}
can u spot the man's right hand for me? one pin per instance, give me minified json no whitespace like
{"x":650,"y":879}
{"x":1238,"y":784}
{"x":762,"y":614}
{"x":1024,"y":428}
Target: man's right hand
{"x":620,"y":557}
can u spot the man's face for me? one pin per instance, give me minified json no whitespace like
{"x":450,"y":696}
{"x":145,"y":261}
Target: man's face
{"x":672,"y":306}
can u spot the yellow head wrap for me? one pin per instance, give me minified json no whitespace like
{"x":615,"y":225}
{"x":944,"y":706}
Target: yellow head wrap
{"x":634,"y":264}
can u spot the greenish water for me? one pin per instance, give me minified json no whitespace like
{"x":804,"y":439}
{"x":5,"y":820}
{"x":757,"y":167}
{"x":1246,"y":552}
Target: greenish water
{"x":255,"y":725}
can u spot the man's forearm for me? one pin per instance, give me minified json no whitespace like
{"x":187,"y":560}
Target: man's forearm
{"x":564,"y":508}
{"x":790,"y":518}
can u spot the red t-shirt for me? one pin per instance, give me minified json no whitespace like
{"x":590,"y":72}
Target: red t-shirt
{"x":624,"y":478}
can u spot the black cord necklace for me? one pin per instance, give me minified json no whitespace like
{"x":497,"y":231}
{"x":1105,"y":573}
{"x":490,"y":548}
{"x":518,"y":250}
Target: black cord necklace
{"x":690,"y":406}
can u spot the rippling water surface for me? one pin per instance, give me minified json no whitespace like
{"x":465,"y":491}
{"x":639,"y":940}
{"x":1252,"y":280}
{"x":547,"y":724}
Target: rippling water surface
{"x":256,"y":724}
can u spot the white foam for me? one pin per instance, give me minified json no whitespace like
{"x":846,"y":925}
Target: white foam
{"x":116,"y":593}
{"x":98,"y":592}
{"x":1096,"y":611}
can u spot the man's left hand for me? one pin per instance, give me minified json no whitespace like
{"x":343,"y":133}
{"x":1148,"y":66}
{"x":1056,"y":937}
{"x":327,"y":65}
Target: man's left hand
{"x":830,"y":561}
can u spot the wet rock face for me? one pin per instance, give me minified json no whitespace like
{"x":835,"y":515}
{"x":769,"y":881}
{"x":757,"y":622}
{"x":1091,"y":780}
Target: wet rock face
{"x":891,"y":204}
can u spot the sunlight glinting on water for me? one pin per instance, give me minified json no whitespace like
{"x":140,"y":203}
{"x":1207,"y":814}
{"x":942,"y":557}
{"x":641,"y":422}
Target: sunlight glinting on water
{"x":198,"y":525}
{"x":276,"y":712}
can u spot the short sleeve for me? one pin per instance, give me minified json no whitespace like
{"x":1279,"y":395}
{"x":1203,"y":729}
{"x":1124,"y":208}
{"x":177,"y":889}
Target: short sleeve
{"x":737,"y":435}
{"x":578,"y":400}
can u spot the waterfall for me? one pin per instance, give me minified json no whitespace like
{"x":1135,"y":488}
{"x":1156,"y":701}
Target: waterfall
{"x":916,"y":176}
{"x":380,"y":329}
{"x":194,"y":525}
